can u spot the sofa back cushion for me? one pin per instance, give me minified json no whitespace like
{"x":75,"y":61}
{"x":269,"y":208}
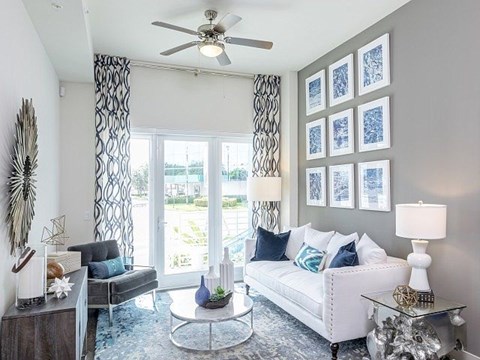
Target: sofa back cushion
{"x":97,"y":251}
{"x":296,"y":239}
{"x":270,"y":246}
{"x":318,"y":239}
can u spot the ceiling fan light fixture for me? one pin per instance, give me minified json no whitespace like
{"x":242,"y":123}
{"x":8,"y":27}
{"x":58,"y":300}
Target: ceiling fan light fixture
{"x":211,"y":48}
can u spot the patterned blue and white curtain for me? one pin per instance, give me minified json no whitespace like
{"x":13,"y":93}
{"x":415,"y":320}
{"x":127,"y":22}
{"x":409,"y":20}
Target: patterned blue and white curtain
{"x":266,"y":144}
{"x":113,"y":203}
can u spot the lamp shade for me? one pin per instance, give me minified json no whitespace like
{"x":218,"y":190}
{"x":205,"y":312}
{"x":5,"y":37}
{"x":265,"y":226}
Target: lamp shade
{"x":421,"y":221}
{"x":264,"y":188}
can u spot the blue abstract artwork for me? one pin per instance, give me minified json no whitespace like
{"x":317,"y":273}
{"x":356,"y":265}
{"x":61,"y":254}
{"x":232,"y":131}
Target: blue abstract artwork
{"x":373,"y":184}
{"x":341,"y":186}
{"x":373,"y":125}
{"x":315,"y":93}
{"x":315,"y":139}
{"x":340,"y":133}
{"x":373,"y":66}
{"x":340,"y":81}
{"x":315,"y":181}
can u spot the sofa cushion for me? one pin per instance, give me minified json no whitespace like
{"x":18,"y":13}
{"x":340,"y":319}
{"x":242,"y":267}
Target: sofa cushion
{"x":131,"y":280}
{"x":318,"y":239}
{"x":369,"y":252}
{"x":296,"y":239}
{"x":310,"y":259}
{"x":338,"y":240}
{"x":346,"y":256}
{"x":270,"y":246}
{"x":107,"y":268}
{"x":302,"y":287}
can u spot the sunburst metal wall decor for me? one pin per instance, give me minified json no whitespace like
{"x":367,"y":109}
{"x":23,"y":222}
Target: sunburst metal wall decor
{"x":22,"y":180}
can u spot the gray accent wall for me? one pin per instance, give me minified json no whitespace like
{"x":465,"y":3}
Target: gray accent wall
{"x":435,"y":141}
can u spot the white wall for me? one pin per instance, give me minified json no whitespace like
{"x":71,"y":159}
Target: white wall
{"x":175,"y":100}
{"x":77,"y":160}
{"x":289,"y":149}
{"x":26,"y":71}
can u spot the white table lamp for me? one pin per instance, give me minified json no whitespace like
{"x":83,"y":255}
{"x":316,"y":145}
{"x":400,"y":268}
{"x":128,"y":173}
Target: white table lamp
{"x":265,"y":190}
{"x":421,"y":222}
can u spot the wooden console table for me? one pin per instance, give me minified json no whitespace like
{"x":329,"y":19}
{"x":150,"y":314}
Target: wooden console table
{"x":55,"y":330}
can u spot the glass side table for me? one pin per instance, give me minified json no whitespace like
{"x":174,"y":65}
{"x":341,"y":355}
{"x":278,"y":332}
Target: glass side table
{"x":419,"y":332}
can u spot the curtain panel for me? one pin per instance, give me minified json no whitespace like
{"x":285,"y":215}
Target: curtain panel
{"x":266,"y":145}
{"x":113,"y":203}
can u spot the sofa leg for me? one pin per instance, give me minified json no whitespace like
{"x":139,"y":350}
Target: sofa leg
{"x":110,"y":315}
{"x":247,"y":289}
{"x":334,"y":347}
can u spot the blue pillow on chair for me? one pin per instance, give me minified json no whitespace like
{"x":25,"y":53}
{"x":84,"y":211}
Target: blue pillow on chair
{"x":106,"y":269}
{"x":346,"y":256}
{"x":271,"y":246}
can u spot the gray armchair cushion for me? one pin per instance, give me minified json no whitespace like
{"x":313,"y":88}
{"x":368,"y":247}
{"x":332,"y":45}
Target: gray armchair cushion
{"x":97,"y":251}
{"x":131,"y":280}
{"x":119,"y":298}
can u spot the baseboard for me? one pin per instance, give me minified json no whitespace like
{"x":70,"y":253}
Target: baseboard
{"x":463,"y":355}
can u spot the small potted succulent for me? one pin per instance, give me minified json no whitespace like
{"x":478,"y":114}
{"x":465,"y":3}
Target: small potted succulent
{"x":219,"y":298}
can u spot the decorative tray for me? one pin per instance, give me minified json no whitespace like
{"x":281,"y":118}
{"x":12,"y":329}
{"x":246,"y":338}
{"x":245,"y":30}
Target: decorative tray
{"x":219,"y":303}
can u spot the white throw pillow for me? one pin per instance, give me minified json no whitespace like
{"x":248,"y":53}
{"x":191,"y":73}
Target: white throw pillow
{"x":369,"y":252}
{"x":338,"y":240}
{"x":295,"y":241}
{"x":318,"y":239}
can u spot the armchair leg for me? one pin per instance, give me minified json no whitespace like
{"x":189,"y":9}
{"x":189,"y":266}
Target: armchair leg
{"x":154,"y":300}
{"x":247,"y":288}
{"x":334,"y":347}
{"x":110,"y":315}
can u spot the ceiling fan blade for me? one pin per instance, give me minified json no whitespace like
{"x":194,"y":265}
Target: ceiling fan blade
{"x":174,"y":27}
{"x":249,"y":42}
{"x":223,"y":59}
{"x":226,"y":23}
{"x":179,"y":48}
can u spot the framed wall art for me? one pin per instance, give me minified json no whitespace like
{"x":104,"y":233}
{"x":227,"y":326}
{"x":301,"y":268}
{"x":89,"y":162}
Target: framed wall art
{"x":341,"y":186}
{"x":341,"y":135}
{"x":374,"y":125}
{"x":374,"y":185}
{"x":374,"y":65}
{"x":316,"y":139}
{"x":316,"y":186}
{"x":315,"y":92}
{"x":340,"y":75}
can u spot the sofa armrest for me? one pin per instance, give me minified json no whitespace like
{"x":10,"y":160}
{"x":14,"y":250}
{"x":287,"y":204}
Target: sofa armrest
{"x":249,"y":250}
{"x":345,"y":312}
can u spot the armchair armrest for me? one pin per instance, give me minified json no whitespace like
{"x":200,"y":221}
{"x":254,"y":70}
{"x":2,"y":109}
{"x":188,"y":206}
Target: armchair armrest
{"x":343,"y":287}
{"x":249,"y":249}
{"x":131,"y":266}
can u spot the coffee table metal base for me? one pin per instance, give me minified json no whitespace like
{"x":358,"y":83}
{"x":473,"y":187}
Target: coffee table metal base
{"x":173,"y":329}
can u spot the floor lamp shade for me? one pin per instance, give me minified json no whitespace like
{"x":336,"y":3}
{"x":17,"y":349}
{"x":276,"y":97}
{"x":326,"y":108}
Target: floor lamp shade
{"x":420,"y":222}
{"x":264,"y":188}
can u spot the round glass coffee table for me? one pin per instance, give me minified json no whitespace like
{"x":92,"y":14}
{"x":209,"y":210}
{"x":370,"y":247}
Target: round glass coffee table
{"x":188,"y":312}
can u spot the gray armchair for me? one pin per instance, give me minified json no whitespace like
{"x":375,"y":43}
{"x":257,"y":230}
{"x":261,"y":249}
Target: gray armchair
{"x":108,"y":293}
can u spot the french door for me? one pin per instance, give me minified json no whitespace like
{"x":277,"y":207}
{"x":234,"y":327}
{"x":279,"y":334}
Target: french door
{"x":189,"y":201}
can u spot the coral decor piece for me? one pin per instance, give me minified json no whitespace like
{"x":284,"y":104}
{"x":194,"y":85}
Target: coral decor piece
{"x":22,"y":180}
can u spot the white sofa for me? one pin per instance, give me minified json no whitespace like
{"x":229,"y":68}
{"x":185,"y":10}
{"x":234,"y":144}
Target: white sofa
{"x":329,"y":302}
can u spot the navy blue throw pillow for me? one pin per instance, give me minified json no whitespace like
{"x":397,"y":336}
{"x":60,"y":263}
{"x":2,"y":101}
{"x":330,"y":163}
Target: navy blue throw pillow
{"x":106,"y":269}
{"x":346,"y":256}
{"x":270,"y":246}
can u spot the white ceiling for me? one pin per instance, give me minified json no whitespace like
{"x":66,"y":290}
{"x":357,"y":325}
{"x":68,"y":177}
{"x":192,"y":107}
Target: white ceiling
{"x":301,"y":30}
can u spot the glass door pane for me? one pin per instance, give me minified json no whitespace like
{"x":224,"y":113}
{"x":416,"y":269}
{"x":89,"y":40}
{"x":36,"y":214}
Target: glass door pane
{"x":235,"y":224}
{"x":140,"y":165}
{"x":186,"y":206}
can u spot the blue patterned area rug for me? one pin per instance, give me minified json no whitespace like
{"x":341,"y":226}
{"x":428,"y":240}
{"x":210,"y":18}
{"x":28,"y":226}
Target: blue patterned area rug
{"x":138,"y":332}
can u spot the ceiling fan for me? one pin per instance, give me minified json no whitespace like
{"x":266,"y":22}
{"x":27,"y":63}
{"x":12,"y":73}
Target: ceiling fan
{"x":212,"y":37}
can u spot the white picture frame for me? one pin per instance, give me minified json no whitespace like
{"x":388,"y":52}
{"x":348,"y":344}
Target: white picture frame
{"x":315,"y":98}
{"x":374,"y":125}
{"x":316,"y":186}
{"x":341,"y":186}
{"x":316,"y":139}
{"x":341,"y":81}
{"x":374,"y":185}
{"x":374,"y":65}
{"x":341,"y":133}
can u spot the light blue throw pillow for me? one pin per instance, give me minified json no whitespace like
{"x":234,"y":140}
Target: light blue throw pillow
{"x":106,"y":269}
{"x":310,"y":259}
